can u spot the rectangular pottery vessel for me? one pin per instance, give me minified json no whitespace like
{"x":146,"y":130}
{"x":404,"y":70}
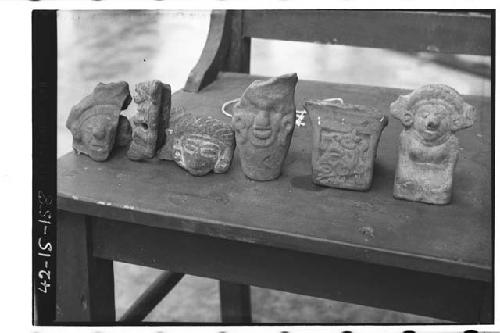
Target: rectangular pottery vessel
{"x":345,"y":139}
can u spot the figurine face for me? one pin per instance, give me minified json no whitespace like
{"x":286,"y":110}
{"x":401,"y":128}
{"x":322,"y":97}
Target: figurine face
{"x":432,"y":122}
{"x":262,"y":128}
{"x":200,"y":154}
{"x":97,"y":135}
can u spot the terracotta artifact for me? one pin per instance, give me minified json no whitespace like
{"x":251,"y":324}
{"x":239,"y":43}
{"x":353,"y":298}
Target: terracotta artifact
{"x":199,"y":144}
{"x":263,"y":121}
{"x":93,"y":121}
{"x":151,"y":119}
{"x":428,"y":148}
{"x":345,"y":140}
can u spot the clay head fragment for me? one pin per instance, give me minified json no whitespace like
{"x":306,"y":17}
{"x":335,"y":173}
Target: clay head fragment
{"x":263,"y":121}
{"x":151,"y":119}
{"x":428,"y":149}
{"x":199,"y":144}
{"x":345,"y":139}
{"x":93,"y":121}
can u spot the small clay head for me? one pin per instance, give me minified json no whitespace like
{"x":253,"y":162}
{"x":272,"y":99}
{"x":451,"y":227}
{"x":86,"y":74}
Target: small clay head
{"x":202,"y":144}
{"x":98,"y":129}
{"x":93,"y":121}
{"x":434,"y":111}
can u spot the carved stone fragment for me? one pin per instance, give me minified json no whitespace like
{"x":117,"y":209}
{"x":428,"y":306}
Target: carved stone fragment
{"x":124,"y":133}
{"x":345,"y":140}
{"x":428,"y":148}
{"x":93,"y":121}
{"x":199,"y":144}
{"x":151,"y":119}
{"x":263,"y":121}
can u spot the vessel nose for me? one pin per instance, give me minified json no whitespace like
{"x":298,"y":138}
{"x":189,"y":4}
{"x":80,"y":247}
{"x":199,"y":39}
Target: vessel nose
{"x":262,"y":119}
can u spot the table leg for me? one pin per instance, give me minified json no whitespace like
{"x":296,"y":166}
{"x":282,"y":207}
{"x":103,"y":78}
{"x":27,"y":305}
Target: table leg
{"x":486,"y":315}
{"x":235,"y":302}
{"x":85,"y":284}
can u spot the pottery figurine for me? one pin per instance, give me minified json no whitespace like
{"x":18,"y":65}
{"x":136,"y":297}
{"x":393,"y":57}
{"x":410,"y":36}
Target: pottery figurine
{"x":428,"y":147}
{"x":199,"y":144}
{"x":93,"y":121}
{"x":151,"y":119}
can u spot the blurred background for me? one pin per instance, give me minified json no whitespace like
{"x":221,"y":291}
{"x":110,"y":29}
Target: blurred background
{"x":135,"y":46}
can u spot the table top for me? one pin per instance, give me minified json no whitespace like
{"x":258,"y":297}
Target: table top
{"x":293,"y":213}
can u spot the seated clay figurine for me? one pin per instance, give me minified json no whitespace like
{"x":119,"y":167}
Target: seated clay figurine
{"x":94,"y":120}
{"x":199,"y":144}
{"x":428,"y":149}
{"x":263,"y":121}
{"x":151,"y":119}
{"x":345,"y":139}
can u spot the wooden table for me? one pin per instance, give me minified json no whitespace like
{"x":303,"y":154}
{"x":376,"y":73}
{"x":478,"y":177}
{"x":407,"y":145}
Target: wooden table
{"x":360,"y":247}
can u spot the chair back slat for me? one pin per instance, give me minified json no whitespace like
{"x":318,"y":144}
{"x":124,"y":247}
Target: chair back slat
{"x":410,"y":31}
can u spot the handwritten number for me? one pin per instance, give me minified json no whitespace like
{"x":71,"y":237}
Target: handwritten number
{"x":47,"y":214}
{"x":47,"y":245}
{"x":42,"y":272}
{"x":45,"y":285}
{"x":44,"y":199}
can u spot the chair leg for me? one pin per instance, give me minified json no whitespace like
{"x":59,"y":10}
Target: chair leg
{"x":150,"y":298}
{"x":235,"y":304}
{"x":85,"y":284}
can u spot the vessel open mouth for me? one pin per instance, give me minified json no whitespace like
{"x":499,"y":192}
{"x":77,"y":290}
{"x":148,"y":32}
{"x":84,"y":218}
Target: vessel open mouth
{"x":262,"y":133}
{"x":432,"y":126}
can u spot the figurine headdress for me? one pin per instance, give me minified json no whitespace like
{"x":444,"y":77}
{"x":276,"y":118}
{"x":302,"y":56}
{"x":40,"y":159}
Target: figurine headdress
{"x":462,"y":114}
{"x":201,"y":125}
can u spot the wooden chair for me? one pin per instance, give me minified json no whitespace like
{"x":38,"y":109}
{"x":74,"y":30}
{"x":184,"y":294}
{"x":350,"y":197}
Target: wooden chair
{"x":287,"y":234}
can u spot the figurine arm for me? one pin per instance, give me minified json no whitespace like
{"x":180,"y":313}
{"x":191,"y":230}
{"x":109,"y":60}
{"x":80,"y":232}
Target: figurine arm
{"x":453,"y":148}
{"x":404,"y":142}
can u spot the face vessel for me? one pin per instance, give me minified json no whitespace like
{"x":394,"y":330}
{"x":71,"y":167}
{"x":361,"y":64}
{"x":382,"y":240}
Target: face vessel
{"x":428,"y":148}
{"x":199,"y":145}
{"x":261,"y":127}
{"x":263,"y":121}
